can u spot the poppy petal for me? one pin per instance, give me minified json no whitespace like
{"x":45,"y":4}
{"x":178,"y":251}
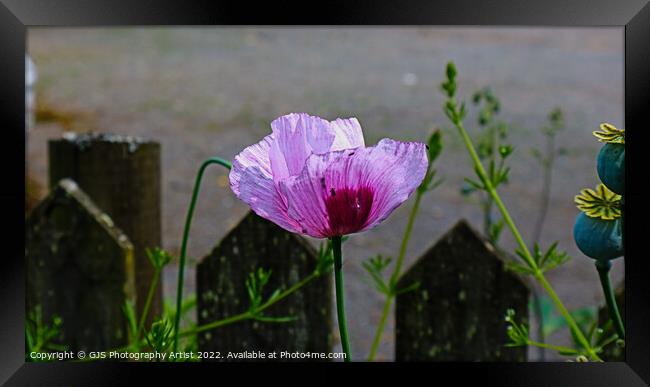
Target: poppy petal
{"x":256,"y":155}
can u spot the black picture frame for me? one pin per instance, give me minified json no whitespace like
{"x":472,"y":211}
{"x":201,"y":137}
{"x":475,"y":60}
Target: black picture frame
{"x":632,"y":15}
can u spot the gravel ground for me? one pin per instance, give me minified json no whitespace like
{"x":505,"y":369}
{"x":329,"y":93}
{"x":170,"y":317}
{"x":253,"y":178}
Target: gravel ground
{"x":213,"y":91}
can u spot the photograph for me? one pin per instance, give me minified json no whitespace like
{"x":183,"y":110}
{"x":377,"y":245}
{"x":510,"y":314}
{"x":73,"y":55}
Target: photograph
{"x":212,"y":191}
{"x":314,"y":193}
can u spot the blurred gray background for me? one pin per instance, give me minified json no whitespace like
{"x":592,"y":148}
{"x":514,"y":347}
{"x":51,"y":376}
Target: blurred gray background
{"x":213,"y":91}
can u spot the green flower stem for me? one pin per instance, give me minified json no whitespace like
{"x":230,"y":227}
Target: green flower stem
{"x":610,"y":298}
{"x":608,"y":341}
{"x":395,"y":276}
{"x":340,"y":298}
{"x":539,"y":314}
{"x":147,"y":304}
{"x":186,"y":233}
{"x":380,"y":327}
{"x":567,"y":316}
{"x":528,"y":258}
{"x":405,"y":239}
{"x":218,"y":324}
{"x":552,"y":347}
{"x":251,"y":314}
{"x":229,"y":320}
{"x":487,"y":212}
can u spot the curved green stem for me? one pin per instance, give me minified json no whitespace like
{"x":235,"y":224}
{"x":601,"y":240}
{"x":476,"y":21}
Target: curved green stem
{"x":395,"y":276}
{"x":147,"y":304}
{"x":527,"y":256}
{"x":186,"y":233}
{"x":340,"y":298}
{"x":610,"y":298}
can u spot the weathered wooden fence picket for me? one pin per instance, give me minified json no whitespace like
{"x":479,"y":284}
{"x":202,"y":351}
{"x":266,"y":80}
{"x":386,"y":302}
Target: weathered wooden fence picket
{"x":79,"y":268}
{"x":457,"y":312}
{"x":122,"y":176}
{"x":83,"y":268}
{"x":220,"y":277}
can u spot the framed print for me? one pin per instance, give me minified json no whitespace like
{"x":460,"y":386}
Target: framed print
{"x":436,"y":187}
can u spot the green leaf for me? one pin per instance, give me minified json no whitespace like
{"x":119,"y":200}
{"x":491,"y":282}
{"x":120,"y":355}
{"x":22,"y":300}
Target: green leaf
{"x":375,"y":267}
{"x":502,"y":176}
{"x":409,"y":288}
{"x":450,"y":113}
{"x":495,"y":230}
{"x":128,"y":308}
{"x":476,"y":97}
{"x":484,"y":117}
{"x":158,"y":257}
{"x":551,"y":259}
{"x":462,"y":112}
{"x":518,"y":268}
{"x":451,"y":71}
{"x":434,"y":145}
{"x":568,"y":352}
{"x":473,"y":184}
{"x":160,"y":336}
{"x":435,"y":184}
{"x":270,"y":319}
{"x":325,"y":258}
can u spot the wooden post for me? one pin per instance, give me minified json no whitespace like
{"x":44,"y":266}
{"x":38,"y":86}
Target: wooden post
{"x":121,"y":174}
{"x":221,"y":292}
{"x":80,"y":268}
{"x":457,"y":312}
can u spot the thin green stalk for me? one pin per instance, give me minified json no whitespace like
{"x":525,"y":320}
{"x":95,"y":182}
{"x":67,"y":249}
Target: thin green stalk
{"x":340,"y":297}
{"x":395,"y":276}
{"x":608,"y":341}
{"x":233,"y":319}
{"x":248,"y":315}
{"x":567,"y":316}
{"x":407,"y":235}
{"x":528,"y":258}
{"x":546,"y":188}
{"x":539,"y":314}
{"x":380,"y":327}
{"x":186,"y":233}
{"x":147,"y":304}
{"x":558,"y":348}
{"x":219,"y":323}
{"x":610,"y":298}
{"x":487,"y":216}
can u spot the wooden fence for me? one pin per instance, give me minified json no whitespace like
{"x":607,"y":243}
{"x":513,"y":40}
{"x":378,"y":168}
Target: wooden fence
{"x":85,"y":248}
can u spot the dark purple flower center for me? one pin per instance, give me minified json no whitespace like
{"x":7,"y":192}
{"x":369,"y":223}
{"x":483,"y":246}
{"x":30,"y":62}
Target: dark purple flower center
{"x":348,"y":209}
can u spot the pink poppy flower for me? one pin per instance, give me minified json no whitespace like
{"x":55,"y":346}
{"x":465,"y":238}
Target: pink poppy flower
{"x":316,"y":177}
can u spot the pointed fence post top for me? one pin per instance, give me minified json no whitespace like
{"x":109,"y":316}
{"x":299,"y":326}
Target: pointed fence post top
{"x":457,"y":311}
{"x":66,"y":192}
{"x":122,"y":175}
{"x":221,"y":291}
{"x":79,"y":268}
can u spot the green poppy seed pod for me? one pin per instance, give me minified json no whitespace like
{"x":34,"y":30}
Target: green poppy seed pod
{"x":598,"y":238}
{"x":611,"y":167}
